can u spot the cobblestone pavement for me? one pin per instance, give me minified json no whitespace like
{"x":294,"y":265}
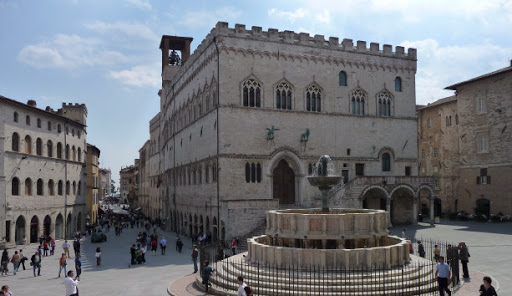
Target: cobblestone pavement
{"x":489,"y":245}
{"x":114,"y":277}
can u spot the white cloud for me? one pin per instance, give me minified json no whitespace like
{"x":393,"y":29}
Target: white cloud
{"x":290,"y":15}
{"x":134,"y":31}
{"x":440,"y":66}
{"x":68,"y":51}
{"x":140,"y":76}
{"x":208,"y":18}
{"x":323,"y":16}
{"x":142,"y":4}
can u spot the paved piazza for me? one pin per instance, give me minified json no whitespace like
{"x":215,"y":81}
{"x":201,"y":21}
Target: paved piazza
{"x":489,"y":245}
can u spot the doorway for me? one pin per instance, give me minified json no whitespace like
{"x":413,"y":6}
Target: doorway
{"x":284,"y":183}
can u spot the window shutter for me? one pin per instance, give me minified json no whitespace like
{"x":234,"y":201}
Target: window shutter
{"x":477,"y":179}
{"x":488,"y":179}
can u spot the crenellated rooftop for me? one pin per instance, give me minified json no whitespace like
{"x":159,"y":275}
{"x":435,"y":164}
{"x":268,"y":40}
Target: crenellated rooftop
{"x":319,"y":41}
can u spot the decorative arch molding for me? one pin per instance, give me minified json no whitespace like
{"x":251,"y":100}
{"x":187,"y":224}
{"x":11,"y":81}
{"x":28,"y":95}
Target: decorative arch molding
{"x":402,"y":186}
{"x":428,"y":188}
{"x":388,"y":150}
{"x":370,"y":187}
{"x":291,"y":157}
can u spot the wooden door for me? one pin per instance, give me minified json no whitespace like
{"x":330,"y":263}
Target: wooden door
{"x":284,"y":183}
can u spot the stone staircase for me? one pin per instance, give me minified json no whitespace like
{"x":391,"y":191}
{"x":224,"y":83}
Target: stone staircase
{"x":260,"y":230}
{"x":413,"y":279}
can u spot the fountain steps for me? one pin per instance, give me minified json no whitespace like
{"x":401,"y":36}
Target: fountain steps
{"x":417,"y":281}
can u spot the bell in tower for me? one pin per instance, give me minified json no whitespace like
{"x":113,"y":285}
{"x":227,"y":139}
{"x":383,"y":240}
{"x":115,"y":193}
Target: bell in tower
{"x":174,"y":58}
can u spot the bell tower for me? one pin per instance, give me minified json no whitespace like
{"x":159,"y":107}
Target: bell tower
{"x":169,"y":45}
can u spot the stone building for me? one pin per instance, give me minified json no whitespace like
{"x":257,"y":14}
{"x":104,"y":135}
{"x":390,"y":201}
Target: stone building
{"x":128,"y":184}
{"x":105,"y":183}
{"x":93,"y":183}
{"x":484,"y":105}
{"x":245,"y":117}
{"x":42,"y":170}
{"x":438,"y":150}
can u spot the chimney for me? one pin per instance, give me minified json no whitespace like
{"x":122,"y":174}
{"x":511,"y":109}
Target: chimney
{"x":31,"y":103}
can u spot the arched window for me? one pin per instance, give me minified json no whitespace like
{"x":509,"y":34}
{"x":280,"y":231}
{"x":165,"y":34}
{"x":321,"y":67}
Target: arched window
{"x":343,"y":78}
{"x":68,"y":188}
{"x":39,"y":187}
{"x":59,"y":150}
{"x":51,"y":188}
{"x":79,"y":190}
{"x":27,"y":120}
{"x":15,"y":116}
{"x":59,"y":187}
{"x":39,"y":147}
{"x":251,"y":93}
{"x":258,"y":173}
{"x":358,"y":102}
{"x":15,"y":190}
{"x":384,"y":104}
{"x":247,"y":172}
{"x":74,"y":187}
{"x":39,"y":122}
{"x":67,"y":152}
{"x":283,"y":96}
{"x":73,"y":153}
{"x":49,"y":148}
{"x":15,"y":142}
{"x":28,"y":144}
{"x":49,"y":125}
{"x":28,"y":186}
{"x":456,"y":119}
{"x":313,"y":99}
{"x":58,"y":128}
{"x":398,"y":84}
{"x":79,"y":154}
{"x":253,"y":172}
{"x":386,"y":162}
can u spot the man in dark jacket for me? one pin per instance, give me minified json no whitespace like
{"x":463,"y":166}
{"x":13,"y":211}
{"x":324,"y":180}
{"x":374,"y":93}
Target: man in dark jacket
{"x":36,"y":263}
{"x":464,"y":259}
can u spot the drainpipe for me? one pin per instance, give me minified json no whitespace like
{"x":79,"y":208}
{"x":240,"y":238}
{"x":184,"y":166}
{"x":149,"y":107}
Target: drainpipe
{"x":218,"y":136}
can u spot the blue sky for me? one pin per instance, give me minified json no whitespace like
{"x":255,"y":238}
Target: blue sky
{"x":105,"y":53}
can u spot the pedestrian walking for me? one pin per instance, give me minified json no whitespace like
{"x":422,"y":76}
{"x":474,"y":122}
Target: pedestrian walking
{"x":78,"y":265}
{"x":179,"y":245}
{"x":241,"y":286}
{"x":487,"y":289}
{"x":63,"y":264}
{"x":234,"y":245}
{"x":133,"y":249}
{"x":15,"y":262}
{"x":52,"y":245}
{"x":71,"y":284}
{"x":154,"y":245}
{"x":23,"y":259}
{"x":443,"y":276}
{"x":45,"y":248}
{"x":437,"y":253}
{"x":35,"y":261}
{"x":76,"y":246}
{"x":163,"y":245}
{"x":195,"y":254}
{"x":98,"y":256}
{"x":143,"y":248}
{"x":4,"y":262}
{"x":452,"y":258}
{"x":65,"y":247}
{"x":421,"y":249}
{"x":207,"y":271}
{"x":220,"y":252}
{"x":464,"y":259}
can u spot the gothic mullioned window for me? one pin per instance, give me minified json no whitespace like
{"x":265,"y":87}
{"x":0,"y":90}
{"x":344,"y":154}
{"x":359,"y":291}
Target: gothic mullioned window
{"x":251,"y":93}
{"x":252,"y":173}
{"x":283,"y":96}
{"x":384,"y":104}
{"x":357,"y":102}
{"x":39,"y":147}
{"x":15,"y":183}
{"x":313,"y":99}
{"x":15,"y":142}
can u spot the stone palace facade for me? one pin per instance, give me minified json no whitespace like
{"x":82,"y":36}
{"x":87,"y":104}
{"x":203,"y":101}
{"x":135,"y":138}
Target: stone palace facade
{"x":244,"y":118}
{"x":42,"y":170}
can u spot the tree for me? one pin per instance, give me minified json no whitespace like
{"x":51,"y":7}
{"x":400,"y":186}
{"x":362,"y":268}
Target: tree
{"x":113,"y":187}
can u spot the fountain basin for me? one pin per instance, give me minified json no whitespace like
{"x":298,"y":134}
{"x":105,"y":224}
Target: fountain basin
{"x":394,"y":253}
{"x":337,"y":224}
